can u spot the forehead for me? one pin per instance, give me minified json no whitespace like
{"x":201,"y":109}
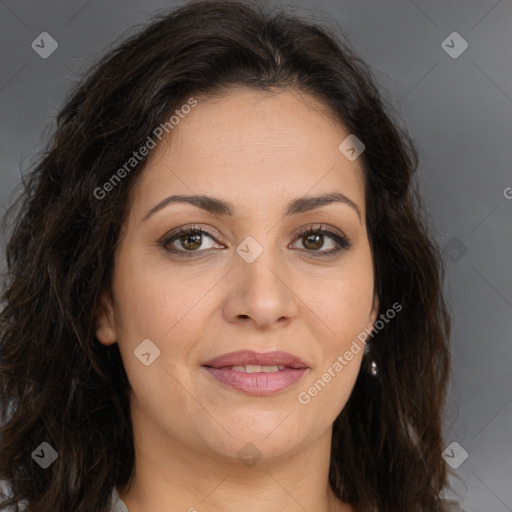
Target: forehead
{"x":252,"y":148}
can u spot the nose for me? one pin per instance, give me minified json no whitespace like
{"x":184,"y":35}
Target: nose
{"x":261,"y":292}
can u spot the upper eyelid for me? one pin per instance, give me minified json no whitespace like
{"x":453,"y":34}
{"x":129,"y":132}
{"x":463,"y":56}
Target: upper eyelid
{"x":321,"y":226}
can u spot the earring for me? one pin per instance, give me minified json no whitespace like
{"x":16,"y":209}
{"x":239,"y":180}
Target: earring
{"x":373,"y":367}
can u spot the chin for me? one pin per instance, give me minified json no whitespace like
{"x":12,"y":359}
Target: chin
{"x":265,"y":436}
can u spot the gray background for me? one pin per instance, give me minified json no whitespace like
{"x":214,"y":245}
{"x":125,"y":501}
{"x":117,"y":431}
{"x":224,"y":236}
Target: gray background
{"x":459,"y":112}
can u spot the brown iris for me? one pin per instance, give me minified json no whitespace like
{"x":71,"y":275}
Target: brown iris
{"x":313,"y":241}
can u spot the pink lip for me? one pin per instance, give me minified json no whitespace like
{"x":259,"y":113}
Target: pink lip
{"x":243,"y":357}
{"x":259,"y":383}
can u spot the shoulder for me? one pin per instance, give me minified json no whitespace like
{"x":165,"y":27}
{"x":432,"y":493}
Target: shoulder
{"x":117,"y":504}
{"x":6,"y":492}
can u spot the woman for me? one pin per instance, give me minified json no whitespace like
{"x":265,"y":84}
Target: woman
{"x":221,"y":289}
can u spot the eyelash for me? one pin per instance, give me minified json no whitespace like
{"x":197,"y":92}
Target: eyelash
{"x":344,"y":243}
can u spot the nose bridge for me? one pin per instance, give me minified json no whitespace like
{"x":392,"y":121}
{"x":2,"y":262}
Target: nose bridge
{"x":261,"y":288}
{"x":260,"y":261}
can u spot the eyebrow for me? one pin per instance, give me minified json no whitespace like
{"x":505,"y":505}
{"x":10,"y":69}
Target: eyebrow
{"x":218,"y":206}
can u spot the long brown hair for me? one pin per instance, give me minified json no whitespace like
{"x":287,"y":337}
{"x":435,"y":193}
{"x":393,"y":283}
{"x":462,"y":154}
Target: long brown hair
{"x":59,"y":385}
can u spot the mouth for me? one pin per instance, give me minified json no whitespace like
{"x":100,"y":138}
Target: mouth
{"x":255,"y":368}
{"x":256,"y":373}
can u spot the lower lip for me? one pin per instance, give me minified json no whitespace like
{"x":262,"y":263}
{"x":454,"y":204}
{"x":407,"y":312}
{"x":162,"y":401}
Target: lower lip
{"x":260,"y":383}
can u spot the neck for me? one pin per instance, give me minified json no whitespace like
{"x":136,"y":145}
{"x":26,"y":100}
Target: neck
{"x":170,"y":476}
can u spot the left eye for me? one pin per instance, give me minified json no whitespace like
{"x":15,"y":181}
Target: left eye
{"x":314,"y":239}
{"x":191,"y":240}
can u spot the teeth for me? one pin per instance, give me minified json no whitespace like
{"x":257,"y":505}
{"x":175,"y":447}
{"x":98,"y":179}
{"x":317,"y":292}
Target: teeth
{"x":256,"y":368}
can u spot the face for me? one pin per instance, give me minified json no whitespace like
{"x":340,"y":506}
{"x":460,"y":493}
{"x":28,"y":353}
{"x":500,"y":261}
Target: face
{"x":251,"y":280}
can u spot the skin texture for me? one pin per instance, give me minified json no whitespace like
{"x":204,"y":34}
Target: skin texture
{"x":257,"y":150}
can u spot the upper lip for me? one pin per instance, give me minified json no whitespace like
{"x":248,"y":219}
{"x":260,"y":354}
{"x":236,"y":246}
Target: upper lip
{"x":243,"y":357}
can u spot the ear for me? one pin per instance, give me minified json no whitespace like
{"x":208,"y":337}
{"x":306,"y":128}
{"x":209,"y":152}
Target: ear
{"x":375,"y":311}
{"x":106,"y":331}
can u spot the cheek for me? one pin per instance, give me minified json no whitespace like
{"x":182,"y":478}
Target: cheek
{"x":345,"y":306}
{"x":156,"y":305}
{"x":344,"y":309}
{"x":345,"y":315}
{"x":155,"y":302}
{"x":168,"y":308}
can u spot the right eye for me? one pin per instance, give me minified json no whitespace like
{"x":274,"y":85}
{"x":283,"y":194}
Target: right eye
{"x":186,"y":240}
